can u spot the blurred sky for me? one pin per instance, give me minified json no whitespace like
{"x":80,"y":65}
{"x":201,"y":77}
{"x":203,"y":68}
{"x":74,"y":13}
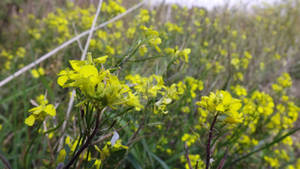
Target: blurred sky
{"x":209,"y":4}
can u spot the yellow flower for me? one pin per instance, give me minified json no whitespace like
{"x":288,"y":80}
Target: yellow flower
{"x":235,"y":62}
{"x":185,"y":53}
{"x":273,"y":162}
{"x":21,"y":52}
{"x":98,"y":86}
{"x":224,"y":103}
{"x":288,"y":141}
{"x":290,"y":167}
{"x":101,"y":60}
{"x":239,"y":90}
{"x":97,"y":163}
{"x":41,"y":71}
{"x":143,"y":17}
{"x":189,"y":139}
{"x":194,"y":159}
{"x":30,"y":120}
{"x":152,"y":36}
{"x":109,"y":148}
{"x":41,"y":111}
{"x":134,"y":101}
{"x":143,"y":50}
{"x":130,"y":32}
{"x":61,"y":155}
{"x":36,"y":73}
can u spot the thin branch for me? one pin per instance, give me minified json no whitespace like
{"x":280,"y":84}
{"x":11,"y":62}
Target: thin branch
{"x":5,"y":161}
{"x":107,"y":135}
{"x":102,"y":138}
{"x":87,"y":44}
{"x":221,"y":164}
{"x":88,"y":141}
{"x":70,"y":105}
{"x":187,"y":155}
{"x":210,"y":135}
{"x":136,"y":133}
{"x":196,"y":166}
{"x":78,"y":40}
{"x":65,"y":44}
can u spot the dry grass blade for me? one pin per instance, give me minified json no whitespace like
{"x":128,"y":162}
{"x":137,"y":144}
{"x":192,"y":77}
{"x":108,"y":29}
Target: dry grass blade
{"x":5,"y":161}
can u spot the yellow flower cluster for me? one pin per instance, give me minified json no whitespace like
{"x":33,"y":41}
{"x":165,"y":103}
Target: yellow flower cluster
{"x":194,"y":159}
{"x":9,"y":56}
{"x":178,"y":54}
{"x":283,"y":82}
{"x":113,"y":7}
{"x":41,"y":111}
{"x":273,"y":162}
{"x":99,"y":86}
{"x":222,"y":103}
{"x":264,"y":102}
{"x":152,"y":87}
{"x":171,"y":27}
{"x":109,"y":148}
{"x":152,"y":37}
{"x":189,"y":139}
{"x":73,"y":144}
{"x":239,"y":90}
{"x":193,"y":85}
{"x":287,"y":114}
{"x":36,"y":73}
{"x":147,"y":86}
{"x":143,"y":16}
{"x":245,"y":142}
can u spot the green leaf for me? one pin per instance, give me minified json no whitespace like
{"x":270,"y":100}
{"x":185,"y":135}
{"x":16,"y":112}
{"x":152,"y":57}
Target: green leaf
{"x":133,"y":161}
{"x":160,"y":161}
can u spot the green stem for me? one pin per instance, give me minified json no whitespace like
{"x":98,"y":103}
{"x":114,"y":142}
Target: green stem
{"x":208,"y":146}
{"x":30,"y":145}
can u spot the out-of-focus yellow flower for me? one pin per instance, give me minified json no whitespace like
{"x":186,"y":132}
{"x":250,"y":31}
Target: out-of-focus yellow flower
{"x":36,"y":73}
{"x":239,"y":90}
{"x":21,"y":52}
{"x":189,"y":139}
{"x":273,"y":162}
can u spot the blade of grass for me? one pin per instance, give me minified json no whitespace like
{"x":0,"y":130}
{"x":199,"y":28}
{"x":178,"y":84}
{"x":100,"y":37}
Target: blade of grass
{"x":18,"y":93}
{"x":160,"y":161}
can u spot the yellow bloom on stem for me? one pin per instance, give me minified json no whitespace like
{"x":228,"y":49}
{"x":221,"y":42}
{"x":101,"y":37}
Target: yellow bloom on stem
{"x":41,"y":111}
{"x":222,"y":102}
{"x":98,"y":86}
{"x":29,"y":121}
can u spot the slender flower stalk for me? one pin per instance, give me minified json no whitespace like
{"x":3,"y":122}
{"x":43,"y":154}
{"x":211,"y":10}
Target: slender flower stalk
{"x":208,"y":146}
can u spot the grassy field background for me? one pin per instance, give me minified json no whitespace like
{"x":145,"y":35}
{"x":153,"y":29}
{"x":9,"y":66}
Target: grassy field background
{"x":169,"y":87}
